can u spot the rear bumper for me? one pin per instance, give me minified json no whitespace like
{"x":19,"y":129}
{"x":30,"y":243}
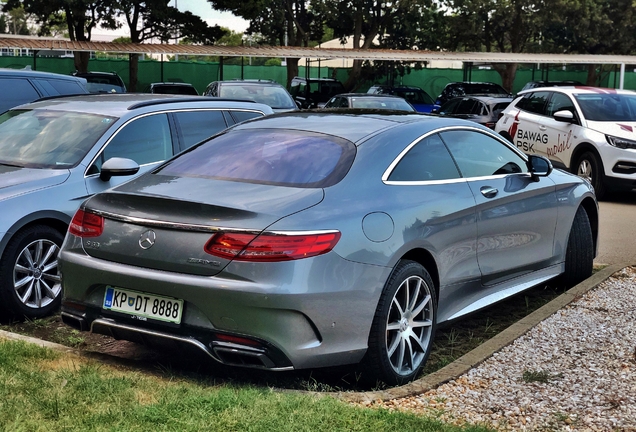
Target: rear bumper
{"x":318,"y":315}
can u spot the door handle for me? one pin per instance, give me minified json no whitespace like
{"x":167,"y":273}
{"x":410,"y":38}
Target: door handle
{"x":543,"y":128}
{"x":488,"y":192}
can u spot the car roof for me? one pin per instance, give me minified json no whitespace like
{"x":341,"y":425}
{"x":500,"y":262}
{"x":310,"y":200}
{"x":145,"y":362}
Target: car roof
{"x":171,"y":84}
{"x":486,"y":98}
{"x":351,"y":124}
{"x":370,"y":95}
{"x":36,"y":74}
{"x":578,"y":90}
{"x":119,"y":103}
{"x":251,"y":82}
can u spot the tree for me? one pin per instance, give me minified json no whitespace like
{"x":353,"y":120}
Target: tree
{"x":154,"y":19}
{"x":491,"y":25}
{"x":590,"y":27}
{"x":278,"y":22}
{"x":14,"y":21}
{"x":80,"y":16}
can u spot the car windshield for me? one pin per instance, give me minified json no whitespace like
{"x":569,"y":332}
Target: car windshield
{"x":103,"y":84}
{"x":415,"y":96}
{"x":274,"y":96}
{"x":476,"y":88}
{"x":285,"y":158}
{"x":607,"y":107}
{"x":381,"y":103}
{"x":48,"y":139}
{"x":322,"y":91}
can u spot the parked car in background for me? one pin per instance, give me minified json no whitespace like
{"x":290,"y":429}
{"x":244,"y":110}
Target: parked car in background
{"x":536,"y":84}
{"x":457,"y":89}
{"x":417,"y":97}
{"x":172,"y":88}
{"x":103,"y":82}
{"x":369,"y":101}
{"x":19,"y":86}
{"x":314,"y":92}
{"x":317,"y":239}
{"x":262,"y":91}
{"x":588,"y":131}
{"x":54,"y":154}
{"x":484,"y":110}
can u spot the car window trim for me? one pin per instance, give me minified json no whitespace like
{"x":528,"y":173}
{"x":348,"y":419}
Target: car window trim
{"x":396,"y":161}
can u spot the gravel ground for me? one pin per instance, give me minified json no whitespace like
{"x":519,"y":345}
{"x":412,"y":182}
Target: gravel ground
{"x":574,"y":371}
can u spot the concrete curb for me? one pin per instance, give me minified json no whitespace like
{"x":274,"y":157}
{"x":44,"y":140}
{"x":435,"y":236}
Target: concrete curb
{"x":485,"y":350}
{"x":428,"y":382}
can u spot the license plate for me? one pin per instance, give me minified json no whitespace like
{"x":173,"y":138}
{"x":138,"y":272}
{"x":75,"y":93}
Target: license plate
{"x":143,"y":304}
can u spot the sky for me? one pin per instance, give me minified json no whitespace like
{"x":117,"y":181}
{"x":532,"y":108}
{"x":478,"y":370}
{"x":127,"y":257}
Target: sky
{"x":201,"y":8}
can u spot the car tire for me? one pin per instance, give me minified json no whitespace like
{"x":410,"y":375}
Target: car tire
{"x":579,"y":255}
{"x":589,"y":166}
{"x":403,"y":326}
{"x":29,"y":280}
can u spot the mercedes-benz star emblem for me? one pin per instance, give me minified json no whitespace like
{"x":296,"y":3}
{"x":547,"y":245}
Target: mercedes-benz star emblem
{"x":147,"y":239}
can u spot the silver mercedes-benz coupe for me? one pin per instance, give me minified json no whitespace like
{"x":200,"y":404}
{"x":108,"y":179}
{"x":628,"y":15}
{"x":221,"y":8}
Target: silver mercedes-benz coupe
{"x":305,"y":240}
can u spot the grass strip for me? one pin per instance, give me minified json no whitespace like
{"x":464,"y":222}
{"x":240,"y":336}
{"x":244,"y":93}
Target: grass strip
{"x":42,"y":390}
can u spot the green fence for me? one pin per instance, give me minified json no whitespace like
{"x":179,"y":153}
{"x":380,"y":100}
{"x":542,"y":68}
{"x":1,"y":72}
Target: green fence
{"x":200,"y":74}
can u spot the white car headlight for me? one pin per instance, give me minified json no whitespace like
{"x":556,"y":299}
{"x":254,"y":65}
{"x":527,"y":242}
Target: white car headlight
{"x":620,"y":142}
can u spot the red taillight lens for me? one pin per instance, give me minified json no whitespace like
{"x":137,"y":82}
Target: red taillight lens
{"x":490,"y":125}
{"x":86,"y":224}
{"x":270,"y":247}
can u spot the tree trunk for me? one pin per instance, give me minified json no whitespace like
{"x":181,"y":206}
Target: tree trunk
{"x":80,"y":58}
{"x":592,"y":75}
{"x":507,"y":71}
{"x":133,"y":69}
{"x":292,"y":69}
{"x":354,"y":76}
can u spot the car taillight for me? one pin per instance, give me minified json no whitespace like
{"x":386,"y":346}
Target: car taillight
{"x":490,"y":125}
{"x":270,"y":247}
{"x":85,"y":224}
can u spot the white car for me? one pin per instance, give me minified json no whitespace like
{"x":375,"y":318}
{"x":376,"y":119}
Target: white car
{"x":587,"y":130}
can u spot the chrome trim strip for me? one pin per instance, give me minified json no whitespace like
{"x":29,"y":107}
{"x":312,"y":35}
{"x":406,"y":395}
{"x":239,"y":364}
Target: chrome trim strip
{"x":235,"y":346}
{"x":387,"y":172}
{"x":188,"y":340}
{"x":197,"y":227}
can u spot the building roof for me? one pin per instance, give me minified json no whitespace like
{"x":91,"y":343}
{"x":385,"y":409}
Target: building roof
{"x":7,"y":41}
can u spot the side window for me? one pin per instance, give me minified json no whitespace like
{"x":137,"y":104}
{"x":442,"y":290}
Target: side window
{"x":16,"y":91}
{"x":427,"y":160}
{"x":466,"y":106}
{"x":560,"y":102}
{"x":144,"y":140}
{"x":195,"y":126}
{"x":450,"y":107}
{"x":66,"y":87}
{"x":240,"y":116}
{"x":534,"y":102}
{"x":480,"y":155}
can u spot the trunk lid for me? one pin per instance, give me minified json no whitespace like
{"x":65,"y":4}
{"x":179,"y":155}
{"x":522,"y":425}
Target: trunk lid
{"x":163,"y":222}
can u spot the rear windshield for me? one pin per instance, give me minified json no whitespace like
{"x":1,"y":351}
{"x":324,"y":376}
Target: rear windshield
{"x":174,"y":89}
{"x":381,"y":103}
{"x":280,"y":157}
{"x":607,"y":106}
{"x":48,"y":139}
{"x":274,"y":96}
{"x":415,"y":96}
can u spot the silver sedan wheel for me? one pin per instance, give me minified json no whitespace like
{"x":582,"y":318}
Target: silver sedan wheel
{"x":585,"y":170}
{"x":409,"y":325}
{"x":35,"y":274}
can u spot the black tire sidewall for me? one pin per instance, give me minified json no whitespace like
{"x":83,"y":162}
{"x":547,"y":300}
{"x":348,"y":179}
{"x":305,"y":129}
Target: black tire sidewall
{"x":579,"y":254}
{"x":10,"y":305}
{"x":376,"y":357}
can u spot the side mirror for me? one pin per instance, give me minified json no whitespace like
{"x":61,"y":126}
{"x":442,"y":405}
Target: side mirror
{"x":118,"y":167}
{"x":539,"y":166}
{"x":564,"y":116}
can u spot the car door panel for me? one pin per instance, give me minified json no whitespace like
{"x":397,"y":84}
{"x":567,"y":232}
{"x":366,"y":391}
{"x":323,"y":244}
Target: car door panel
{"x":516,"y":212}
